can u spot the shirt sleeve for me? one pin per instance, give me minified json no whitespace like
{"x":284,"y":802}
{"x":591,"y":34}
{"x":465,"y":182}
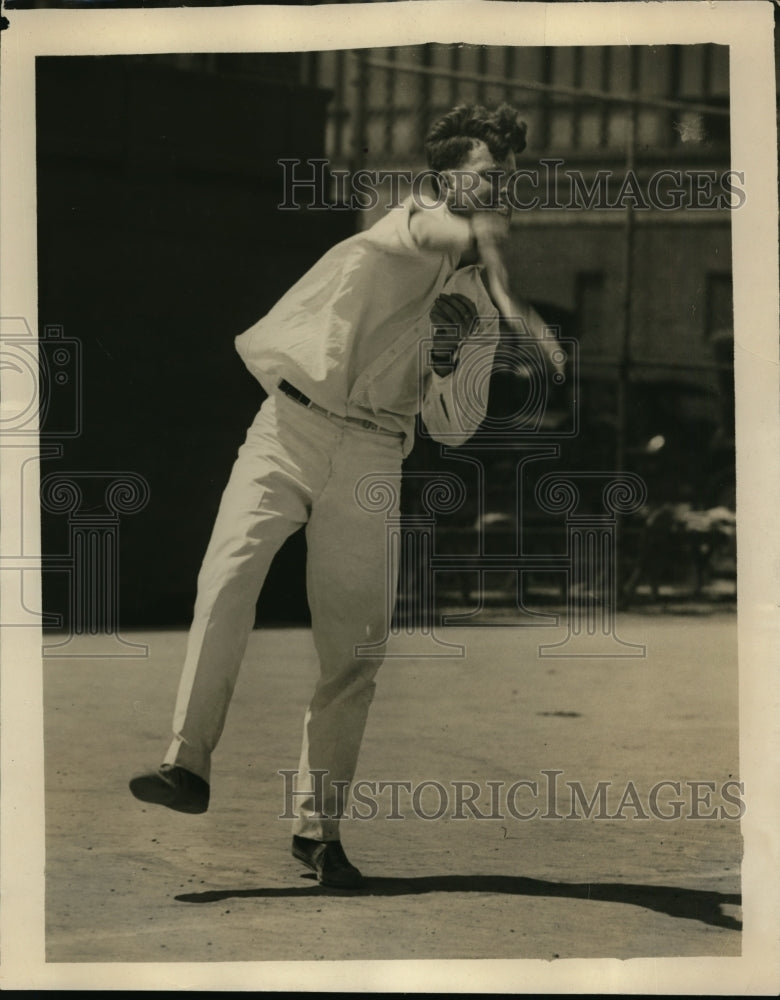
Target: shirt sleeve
{"x":455,"y":405}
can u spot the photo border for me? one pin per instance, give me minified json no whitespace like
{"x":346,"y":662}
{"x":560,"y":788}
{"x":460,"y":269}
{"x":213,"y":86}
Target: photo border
{"x":747,"y":27}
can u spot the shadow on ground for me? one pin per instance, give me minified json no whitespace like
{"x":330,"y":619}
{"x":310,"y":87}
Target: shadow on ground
{"x":689,"y":904}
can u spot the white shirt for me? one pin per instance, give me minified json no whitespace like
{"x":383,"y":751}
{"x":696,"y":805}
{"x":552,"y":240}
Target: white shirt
{"x":354,"y":334}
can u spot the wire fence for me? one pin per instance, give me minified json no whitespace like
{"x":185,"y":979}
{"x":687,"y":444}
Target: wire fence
{"x":634,"y":110}
{"x":577,"y":99}
{"x":631,"y":109}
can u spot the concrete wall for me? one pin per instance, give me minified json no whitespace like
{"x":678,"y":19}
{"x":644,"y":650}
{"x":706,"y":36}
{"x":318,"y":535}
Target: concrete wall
{"x":159,"y":242}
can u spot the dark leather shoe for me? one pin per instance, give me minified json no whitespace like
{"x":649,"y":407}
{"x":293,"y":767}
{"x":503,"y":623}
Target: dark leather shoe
{"x":174,"y":787}
{"x":328,"y":861}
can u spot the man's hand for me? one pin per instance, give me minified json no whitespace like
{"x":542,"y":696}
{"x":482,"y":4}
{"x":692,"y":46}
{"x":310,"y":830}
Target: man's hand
{"x":491,"y":227}
{"x":452,"y":317}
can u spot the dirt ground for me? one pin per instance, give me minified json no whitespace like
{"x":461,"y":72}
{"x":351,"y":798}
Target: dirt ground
{"x":133,"y":883}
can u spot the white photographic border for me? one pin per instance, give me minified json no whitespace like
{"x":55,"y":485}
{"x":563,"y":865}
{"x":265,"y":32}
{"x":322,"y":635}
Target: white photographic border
{"x":747,"y":28}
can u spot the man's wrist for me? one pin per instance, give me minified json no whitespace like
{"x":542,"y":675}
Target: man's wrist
{"x":444,"y":360}
{"x":444,"y":350}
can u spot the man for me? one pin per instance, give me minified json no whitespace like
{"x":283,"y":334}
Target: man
{"x":341,"y":358}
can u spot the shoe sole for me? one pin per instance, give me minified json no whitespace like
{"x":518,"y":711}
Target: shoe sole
{"x":156,"y":792}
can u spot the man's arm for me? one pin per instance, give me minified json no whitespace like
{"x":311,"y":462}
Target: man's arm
{"x":435,"y":227}
{"x":490,"y":231}
{"x":483,"y":235}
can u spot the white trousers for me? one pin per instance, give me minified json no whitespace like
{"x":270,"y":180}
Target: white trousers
{"x":296,"y":467}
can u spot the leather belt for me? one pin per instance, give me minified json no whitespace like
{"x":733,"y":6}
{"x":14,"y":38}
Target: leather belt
{"x":295,"y":394}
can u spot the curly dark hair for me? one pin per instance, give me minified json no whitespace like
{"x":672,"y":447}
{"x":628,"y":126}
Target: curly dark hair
{"x":450,"y":139}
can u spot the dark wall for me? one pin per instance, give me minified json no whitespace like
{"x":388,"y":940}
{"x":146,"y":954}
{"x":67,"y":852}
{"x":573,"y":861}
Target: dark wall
{"x":160,"y":241}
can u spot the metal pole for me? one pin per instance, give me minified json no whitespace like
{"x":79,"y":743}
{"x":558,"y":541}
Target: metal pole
{"x":576,"y":93}
{"x":359,"y":139}
{"x":624,"y":363}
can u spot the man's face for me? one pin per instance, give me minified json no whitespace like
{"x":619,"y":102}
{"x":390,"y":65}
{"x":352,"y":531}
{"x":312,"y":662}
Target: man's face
{"x":480,"y":182}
